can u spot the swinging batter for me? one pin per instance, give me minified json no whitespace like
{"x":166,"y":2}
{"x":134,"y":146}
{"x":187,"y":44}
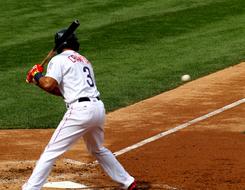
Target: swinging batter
{"x":71,"y":76}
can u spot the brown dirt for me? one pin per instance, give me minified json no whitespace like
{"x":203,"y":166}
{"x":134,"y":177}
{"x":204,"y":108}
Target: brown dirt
{"x":207,"y":155}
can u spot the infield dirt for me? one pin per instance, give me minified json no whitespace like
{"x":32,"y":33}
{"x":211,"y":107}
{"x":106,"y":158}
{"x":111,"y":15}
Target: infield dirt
{"x":207,"y":155}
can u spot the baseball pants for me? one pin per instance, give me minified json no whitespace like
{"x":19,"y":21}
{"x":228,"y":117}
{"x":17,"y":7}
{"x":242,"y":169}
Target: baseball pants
{"x":82,"y":119}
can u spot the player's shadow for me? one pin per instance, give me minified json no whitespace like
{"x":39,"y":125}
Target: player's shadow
{"x":143,"y":185}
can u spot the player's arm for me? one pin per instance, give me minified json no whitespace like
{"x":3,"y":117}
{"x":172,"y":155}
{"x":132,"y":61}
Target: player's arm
{"x":49,"y":85}
{"x":44,"y":82}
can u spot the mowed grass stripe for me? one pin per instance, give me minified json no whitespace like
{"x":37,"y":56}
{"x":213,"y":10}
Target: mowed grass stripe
{"x":138,"y":49}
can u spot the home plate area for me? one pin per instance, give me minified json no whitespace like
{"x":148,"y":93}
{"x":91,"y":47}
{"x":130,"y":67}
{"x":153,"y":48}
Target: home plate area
{"x":64,"y":185}
{"x":71,"y":185}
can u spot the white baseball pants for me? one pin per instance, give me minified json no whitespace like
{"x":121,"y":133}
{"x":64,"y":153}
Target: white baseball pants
{"x":82,"y":119}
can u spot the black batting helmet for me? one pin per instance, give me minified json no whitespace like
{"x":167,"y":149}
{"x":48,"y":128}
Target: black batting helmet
{"x":71,"y":42}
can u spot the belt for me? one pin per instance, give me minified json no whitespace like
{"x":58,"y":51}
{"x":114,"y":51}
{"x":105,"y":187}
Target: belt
{"x":83,"y":99}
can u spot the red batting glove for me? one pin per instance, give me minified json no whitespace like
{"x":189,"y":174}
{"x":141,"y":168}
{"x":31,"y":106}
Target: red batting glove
{"x":33,"y":71}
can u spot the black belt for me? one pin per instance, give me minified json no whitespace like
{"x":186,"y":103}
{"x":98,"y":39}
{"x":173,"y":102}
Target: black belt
{"x":83,"y":99}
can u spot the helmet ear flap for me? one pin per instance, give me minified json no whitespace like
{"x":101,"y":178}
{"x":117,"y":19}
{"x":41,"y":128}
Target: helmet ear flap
{"x":60,"y":48}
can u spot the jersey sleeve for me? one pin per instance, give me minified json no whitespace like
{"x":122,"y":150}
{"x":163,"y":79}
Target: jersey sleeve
{"x":54,"y":70}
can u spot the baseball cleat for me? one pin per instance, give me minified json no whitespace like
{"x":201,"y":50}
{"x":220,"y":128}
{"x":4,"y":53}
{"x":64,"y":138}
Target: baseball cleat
{"x":133,"y":186}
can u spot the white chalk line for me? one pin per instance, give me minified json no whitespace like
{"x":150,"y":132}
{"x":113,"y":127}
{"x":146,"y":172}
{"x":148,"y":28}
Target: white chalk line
{"x":74,"y":162}
{"x":18,"y":162}
{"x":165,"y":133}
{"x":170,"y":131}
{"x":173,"y":130}
{"x":78,"y":163}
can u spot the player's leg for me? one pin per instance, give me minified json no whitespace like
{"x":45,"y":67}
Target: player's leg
{"x":106,"y":159}
{"x":94,"y":139}
{"x":71,"y":128}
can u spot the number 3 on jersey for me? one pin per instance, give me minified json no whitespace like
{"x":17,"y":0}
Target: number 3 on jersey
{"x":90,"y":79}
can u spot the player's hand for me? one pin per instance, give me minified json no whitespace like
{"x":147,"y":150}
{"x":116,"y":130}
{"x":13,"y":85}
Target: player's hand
{"x":32,"y":72}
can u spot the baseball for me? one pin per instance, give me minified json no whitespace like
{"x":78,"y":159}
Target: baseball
{"x":185,"y":78}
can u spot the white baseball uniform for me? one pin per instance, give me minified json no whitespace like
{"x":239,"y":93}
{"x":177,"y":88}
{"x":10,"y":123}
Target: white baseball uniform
{"x":84,"y":118}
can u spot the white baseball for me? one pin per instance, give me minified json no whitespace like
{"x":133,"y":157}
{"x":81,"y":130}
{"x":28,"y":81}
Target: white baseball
{"x":185,"y":78}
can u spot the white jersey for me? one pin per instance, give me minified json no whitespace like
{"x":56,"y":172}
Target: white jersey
{"x":74,"y":74}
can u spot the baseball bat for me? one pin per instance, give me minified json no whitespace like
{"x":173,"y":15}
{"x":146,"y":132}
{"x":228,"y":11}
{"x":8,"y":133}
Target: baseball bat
{"x":65,"y":36}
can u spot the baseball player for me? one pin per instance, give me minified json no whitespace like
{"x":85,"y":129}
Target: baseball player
{"x":71,"y":76}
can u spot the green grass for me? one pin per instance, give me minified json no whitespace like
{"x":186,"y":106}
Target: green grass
{"x":138,"y":49}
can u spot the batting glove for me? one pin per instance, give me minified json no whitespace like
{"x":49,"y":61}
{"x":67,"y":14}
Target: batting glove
{"x":34,"y":73}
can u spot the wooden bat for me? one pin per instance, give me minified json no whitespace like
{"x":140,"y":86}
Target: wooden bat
{"x":65,"y":36}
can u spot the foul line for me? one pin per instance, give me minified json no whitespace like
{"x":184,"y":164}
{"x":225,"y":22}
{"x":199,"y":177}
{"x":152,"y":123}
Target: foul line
{"x":160,"y":135}
{"x":146,"y":141}
{"x":165,"y":133}
{"x":173,"y":130}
